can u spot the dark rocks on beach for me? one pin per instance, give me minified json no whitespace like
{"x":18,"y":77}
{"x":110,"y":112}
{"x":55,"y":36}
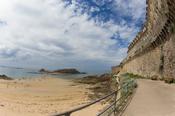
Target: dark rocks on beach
{"x":93,"y":79}
{"x":100,"y":85}
{"x":43,"y":70}
{"x":83,"y":73}
{"x":62,"y":71}
{"x":5,"y":77}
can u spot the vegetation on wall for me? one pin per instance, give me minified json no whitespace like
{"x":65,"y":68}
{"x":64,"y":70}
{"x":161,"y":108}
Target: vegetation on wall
{"x":173,"y":28}
{"x":133,"y":76}
{"x":169,"y":80}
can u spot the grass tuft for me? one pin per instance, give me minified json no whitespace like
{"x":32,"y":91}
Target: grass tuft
{"x":169,"y":80}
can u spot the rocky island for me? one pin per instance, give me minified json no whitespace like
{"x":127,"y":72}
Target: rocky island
{"x":4,"y":77}
{"x":62,"y":71}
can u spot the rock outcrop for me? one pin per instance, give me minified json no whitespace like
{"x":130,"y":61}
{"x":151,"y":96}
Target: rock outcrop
{"x":4,"y":77}
{"x":101,"y":85}
{"x":61,"y":71}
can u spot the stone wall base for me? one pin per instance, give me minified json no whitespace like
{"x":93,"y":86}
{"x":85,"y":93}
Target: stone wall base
{"x":158,"y":62}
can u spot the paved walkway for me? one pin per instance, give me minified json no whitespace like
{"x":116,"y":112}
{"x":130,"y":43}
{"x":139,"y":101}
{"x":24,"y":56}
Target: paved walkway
{"x":152,"y":98}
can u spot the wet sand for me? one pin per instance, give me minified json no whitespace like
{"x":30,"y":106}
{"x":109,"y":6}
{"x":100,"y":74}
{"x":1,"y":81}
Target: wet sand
{"x":43,"y":96}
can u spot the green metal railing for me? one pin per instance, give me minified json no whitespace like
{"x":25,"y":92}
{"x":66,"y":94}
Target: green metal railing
{"x":126,"y":90}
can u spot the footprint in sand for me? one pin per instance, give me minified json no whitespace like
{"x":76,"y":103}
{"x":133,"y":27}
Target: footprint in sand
{"x":2,"y":105}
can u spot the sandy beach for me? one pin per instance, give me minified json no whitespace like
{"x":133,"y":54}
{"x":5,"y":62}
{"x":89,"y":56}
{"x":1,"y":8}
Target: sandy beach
{"x":43,"y":96}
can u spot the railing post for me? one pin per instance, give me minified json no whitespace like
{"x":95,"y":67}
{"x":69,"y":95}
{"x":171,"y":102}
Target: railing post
{"x":68,"y":114}
{"x":115,"y":105}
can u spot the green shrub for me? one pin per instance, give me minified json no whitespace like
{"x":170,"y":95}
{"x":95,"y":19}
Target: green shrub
{"x":173,"y":28}
{"x":169,"y":80}
{"x":134,"y":76}
{"x":155,"y":77}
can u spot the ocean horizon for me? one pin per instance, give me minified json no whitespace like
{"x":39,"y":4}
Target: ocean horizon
{"x":19,"y":73}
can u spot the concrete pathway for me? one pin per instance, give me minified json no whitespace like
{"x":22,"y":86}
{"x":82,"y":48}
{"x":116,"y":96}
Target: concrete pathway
{"x":152,"y":98}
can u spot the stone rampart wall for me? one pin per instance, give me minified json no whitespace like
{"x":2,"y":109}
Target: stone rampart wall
{"x":152,"y":52}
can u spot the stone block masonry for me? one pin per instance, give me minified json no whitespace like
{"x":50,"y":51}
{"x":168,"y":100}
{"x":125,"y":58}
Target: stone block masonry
{"x":152,"y":52}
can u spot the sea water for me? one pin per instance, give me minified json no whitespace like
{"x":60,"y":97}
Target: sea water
{"x":18,"y":73}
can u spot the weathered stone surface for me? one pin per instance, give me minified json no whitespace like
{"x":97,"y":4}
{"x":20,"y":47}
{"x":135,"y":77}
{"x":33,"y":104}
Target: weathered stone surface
{"x":152,"y":52}
{"x":146,"y":65}
{"x":169,"y":58}
{"x":116,"y":69}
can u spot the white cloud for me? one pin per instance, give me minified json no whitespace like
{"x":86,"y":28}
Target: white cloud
{"x":134,"y":8}
{"x":45,"y":33}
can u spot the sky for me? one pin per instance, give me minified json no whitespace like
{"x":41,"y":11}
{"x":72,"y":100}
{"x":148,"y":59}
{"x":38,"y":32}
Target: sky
{"x":90,"y":35}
